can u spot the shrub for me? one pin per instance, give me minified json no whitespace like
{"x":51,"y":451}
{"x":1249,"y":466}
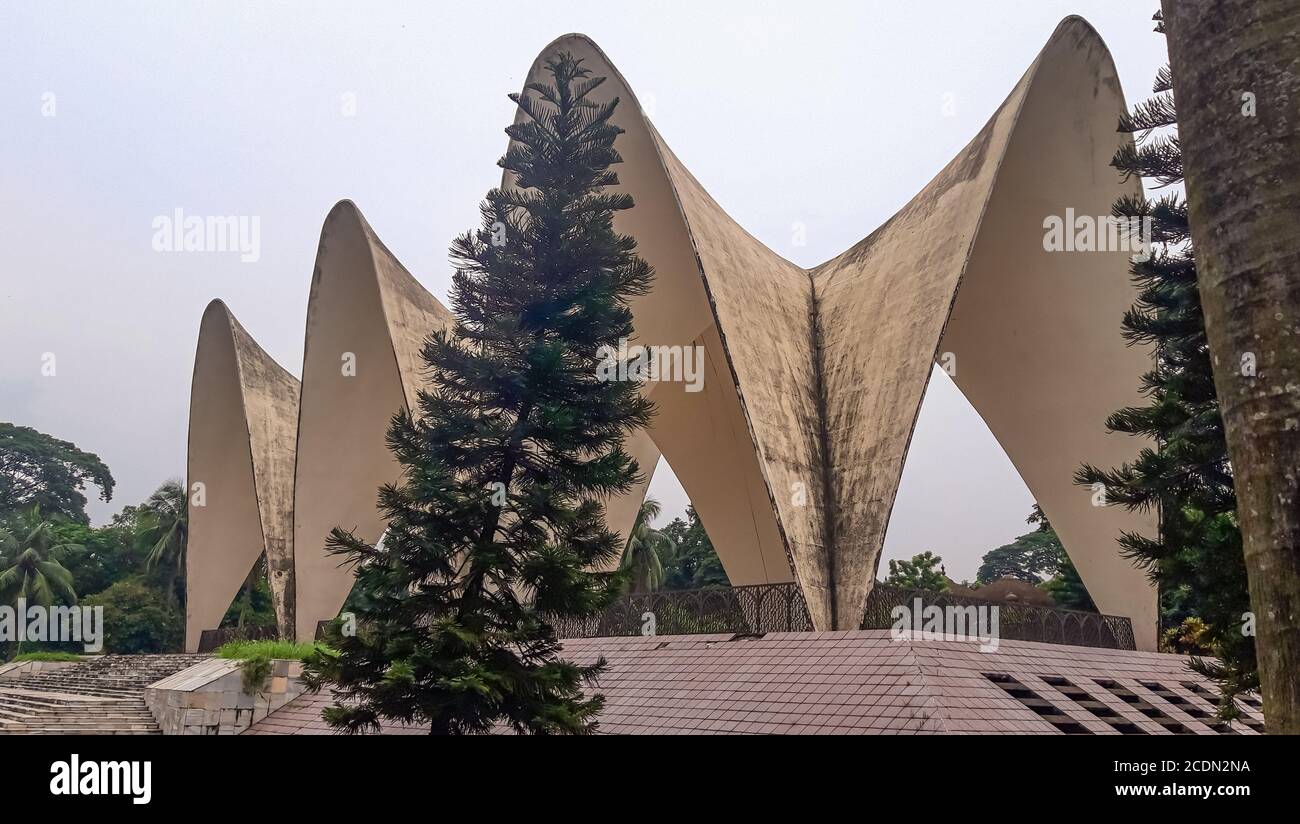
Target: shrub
{"x":255,"y":658}
{"x":48,"y":656}
{"x":244,"y":650}
{"x":137,"y":618}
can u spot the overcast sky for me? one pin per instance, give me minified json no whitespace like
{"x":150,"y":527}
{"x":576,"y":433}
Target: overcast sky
{"x":827,"y":114}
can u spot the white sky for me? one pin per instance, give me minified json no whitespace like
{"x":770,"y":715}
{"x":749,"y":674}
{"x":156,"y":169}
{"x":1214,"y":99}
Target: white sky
{"x":828,"y":114}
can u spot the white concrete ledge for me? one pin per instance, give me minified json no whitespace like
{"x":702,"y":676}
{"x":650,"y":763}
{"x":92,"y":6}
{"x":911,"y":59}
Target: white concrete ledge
{"x":209,"y":698}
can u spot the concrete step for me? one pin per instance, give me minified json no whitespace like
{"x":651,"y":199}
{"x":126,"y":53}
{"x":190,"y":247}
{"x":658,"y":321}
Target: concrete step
{"x":73,"y":714}
{"x":126,"y":725}
{"x":30,"y":713}
{"x":76,"y":731}
{"x":100,"y":696}
{"x":21,"y":694}
{"x":43,"y":701}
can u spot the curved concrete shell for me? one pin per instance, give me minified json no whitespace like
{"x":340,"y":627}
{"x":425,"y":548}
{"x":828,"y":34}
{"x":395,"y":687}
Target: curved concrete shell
{"x":813,"y":379}
{"x":366,"y":321}
{"x":800,"y":450}
{"x":1034,"y":335}
{"x":243,"y":407}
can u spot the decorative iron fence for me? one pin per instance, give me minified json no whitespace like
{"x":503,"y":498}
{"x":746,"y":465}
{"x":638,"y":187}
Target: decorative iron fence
{"x":781,"y":608}
{"x":762,"y":608}
{"x":747,"y":609}
{"x":1016,"y":622}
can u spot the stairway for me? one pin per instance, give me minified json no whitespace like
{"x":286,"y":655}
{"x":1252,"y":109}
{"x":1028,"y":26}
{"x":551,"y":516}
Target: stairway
{"x":101,"y":696}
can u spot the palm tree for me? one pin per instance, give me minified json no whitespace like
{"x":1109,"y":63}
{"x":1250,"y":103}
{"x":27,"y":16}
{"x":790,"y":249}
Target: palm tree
{"x":166,"y":532}
{"x":646,"y":548}
{"x":29,"y":571}
{"x":1236,"y":67}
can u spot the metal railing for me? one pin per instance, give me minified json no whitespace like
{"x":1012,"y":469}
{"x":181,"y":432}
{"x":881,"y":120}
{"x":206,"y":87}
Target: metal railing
{"x":763,"y":608}
{"x":748,"y":609}
{"x":1016,"y":621}
{"x":781,"y":608}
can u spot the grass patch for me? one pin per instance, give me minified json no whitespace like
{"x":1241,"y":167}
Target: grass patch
{"x":255,"y":658}
{"x":47,"y":656}
{"x":244,"y":650}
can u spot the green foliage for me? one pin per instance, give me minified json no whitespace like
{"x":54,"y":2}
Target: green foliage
{"x":254,"y":670}
{"x":29,"y":568}
{"x":255,"y":658}
{"x":1187,"y":638}
{"x":692,"y":563}
{"x":164,"y":528}
{"x":1067,"y":589}
{"x":99,"y":557}
{"x":451,"y":634}
{"x":49,"y":656}
{"x":56,"y":557}
{"x":924,"y":571}
{"x":1196,"y":558}
{"x":1030,"y":558}
{"x":1066,"y":585}
{"x":37,"y":470}
{"x":138,"y":618}
{"x":1038,"y":557}
{"x":253,"y":606}
{"x":646,"y":551}
{"x":266,"y":649}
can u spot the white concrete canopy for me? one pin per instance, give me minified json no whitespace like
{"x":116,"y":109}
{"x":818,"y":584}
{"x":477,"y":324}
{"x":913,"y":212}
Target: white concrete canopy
{"x":793,"y":451}
{"x":242,"y":412}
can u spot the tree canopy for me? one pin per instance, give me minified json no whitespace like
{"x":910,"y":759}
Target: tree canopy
{"x":40,"y":470}
{"x":924,"y":571}
{"x":694,"y":563}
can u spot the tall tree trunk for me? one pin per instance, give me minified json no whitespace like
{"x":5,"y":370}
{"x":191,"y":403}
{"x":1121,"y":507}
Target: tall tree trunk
{"x":1236,"y":67}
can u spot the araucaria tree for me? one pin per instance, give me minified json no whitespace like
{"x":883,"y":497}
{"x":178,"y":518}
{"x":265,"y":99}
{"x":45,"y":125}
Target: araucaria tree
{"x":498,"y":520}
{"x":1196,"y":557}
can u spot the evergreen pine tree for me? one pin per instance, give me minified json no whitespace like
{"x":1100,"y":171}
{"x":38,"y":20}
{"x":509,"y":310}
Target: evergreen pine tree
{"x":1196,"y":558}
{"x":498,"y":516}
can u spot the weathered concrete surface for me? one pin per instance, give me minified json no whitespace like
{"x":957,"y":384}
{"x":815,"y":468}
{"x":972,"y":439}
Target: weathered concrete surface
{"x":1036,"y":335}
{"x":793,"y":451}
{"x":800,"y":451}
{"x":243,"y":409}
{"x":707,"y":266}
{"x":367,"y":318}
{"x":208,"y":698}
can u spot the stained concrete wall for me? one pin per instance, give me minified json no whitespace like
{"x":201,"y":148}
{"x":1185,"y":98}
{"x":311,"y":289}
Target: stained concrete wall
{"x":793,"y":452}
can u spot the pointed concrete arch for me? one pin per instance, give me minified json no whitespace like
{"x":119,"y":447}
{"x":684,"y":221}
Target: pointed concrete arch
{"x":793,"y":451}
{"x":240,"y":469}
{"x":962,"y":269}
{"x":740,"y":469}
{"x":1036,"y":335}
{"x":367,"y":319}
{"x":816,"y":377}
